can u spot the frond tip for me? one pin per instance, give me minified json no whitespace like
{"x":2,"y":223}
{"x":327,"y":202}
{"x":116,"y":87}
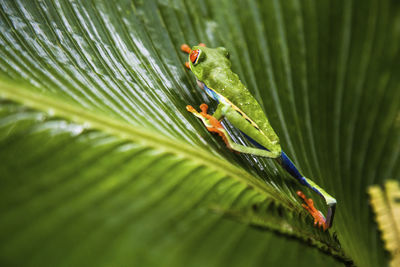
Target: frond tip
{"x":386,"y":205}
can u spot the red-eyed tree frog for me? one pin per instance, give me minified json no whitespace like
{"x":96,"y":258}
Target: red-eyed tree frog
{"x":212,"y":69}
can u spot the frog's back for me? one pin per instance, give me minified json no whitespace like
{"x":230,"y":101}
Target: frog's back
{"x":226,"y":83}
{"x":214,"y":69}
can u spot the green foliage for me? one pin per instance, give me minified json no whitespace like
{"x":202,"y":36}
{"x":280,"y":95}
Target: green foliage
{"x":101,"y":164}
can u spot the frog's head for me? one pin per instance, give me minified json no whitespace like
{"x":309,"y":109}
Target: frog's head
{"x":202,"y":60}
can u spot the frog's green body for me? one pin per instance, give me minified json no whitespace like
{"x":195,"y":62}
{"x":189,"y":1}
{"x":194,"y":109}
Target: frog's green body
{"x":212,"y":69}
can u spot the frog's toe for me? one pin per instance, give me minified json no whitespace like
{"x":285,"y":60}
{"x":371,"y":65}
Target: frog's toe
{"x":204,"y":108}
{"x":190,"y":108}
{"x":185,"y":48}
{"x":319,"y":218}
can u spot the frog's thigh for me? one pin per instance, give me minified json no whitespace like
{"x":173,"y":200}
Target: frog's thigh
{"x":244,"y":125}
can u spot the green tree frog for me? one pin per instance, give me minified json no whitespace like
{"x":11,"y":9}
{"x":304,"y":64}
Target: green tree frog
{"x":212,"y":69}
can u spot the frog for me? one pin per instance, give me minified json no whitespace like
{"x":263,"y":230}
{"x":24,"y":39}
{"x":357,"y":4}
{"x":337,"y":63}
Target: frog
{"x":212,"y":69}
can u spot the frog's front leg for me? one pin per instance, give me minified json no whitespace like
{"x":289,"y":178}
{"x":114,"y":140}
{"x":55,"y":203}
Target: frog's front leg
{"x":213,"y":124}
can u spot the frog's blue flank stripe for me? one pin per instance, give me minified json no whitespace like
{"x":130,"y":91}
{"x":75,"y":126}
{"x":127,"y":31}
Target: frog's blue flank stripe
{"x":211,"y":93}
{"x":287,"y":164}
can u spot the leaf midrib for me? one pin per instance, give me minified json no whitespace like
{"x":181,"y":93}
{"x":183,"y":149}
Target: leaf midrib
{"x":100,"y":121}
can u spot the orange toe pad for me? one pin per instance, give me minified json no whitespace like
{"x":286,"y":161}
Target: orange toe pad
{"x":216,"y":126}
{"x":319,"y":219}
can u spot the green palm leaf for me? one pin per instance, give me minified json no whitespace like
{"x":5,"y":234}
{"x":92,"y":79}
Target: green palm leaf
{"x":103,"y":165}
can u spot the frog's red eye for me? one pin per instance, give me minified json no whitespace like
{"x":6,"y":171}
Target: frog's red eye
{"x":195,"y":55}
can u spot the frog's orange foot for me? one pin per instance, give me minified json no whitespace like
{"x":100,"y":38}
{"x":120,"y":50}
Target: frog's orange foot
{"x":319,"y":218}
{"x":190,"y":108}
{"x":204,"y":109}
{"x":213,"y":125}
{"x":201,"y":44}
{"x":185,"y":48}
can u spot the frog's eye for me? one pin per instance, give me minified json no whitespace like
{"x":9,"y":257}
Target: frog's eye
{"x":195,"y":56}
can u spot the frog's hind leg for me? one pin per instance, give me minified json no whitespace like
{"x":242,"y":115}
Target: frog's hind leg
{"x":214,"y":125}
{"x":319,"y":218}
